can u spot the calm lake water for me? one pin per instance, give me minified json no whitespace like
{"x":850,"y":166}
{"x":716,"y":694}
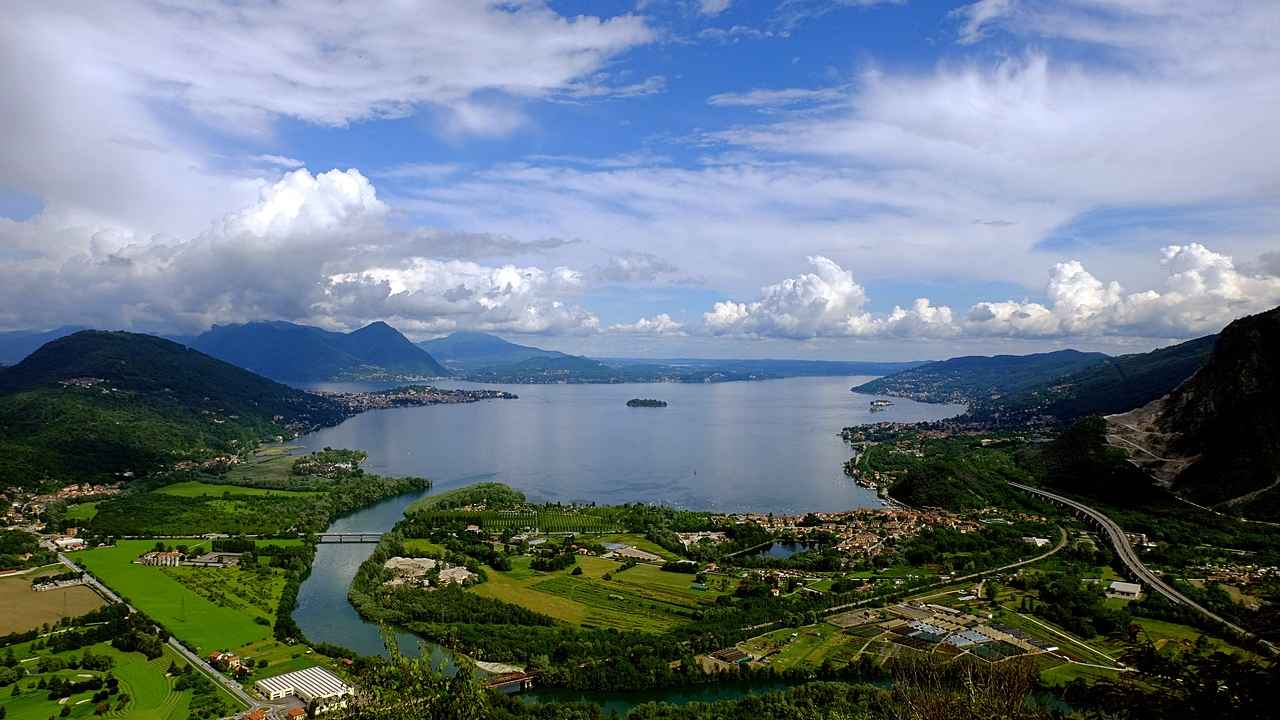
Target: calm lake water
{"x":770,"y":446}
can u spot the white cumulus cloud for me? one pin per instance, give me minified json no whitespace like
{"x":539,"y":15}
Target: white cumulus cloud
{"x":660,"y":324}
{"x":1203,"y":291}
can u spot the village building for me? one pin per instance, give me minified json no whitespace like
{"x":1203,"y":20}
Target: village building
{"x":1124,"y":590}
{"x":68,"y":544}
{"x":225,"y":661}
{"x":158,"y":558}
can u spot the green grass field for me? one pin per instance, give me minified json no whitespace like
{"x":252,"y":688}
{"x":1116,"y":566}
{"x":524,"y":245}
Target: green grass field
{"x":186,"y":613}
{"x":152,"y":695}
{"x":195,"y":488}
{"x":426,"y":547}
{"x":25,"y":609}
{"x":82,"y":511}
{"x":281,"y":658}
{"x":1067,"y":672}
{"x":642,"y":598}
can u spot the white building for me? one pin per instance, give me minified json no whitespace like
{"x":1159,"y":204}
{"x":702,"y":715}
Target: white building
{"x":67,"y":544}
{"x":320,"y":689}
{"x":1125,"y":590}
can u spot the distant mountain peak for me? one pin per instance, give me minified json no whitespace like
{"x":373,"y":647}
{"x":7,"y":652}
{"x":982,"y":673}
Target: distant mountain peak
{"x":292,"y":352}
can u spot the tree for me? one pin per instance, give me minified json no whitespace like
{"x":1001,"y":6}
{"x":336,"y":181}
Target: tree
{"x":403,"y":688}
{"x":991,"y":590}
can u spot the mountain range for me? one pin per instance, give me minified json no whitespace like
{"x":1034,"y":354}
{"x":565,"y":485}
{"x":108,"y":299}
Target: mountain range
{"x":17,"y":344}
{"x":463,"y":351}
{"x":300,"y":353}
{"x":1047,"y":387}
{"x":95,"y":405}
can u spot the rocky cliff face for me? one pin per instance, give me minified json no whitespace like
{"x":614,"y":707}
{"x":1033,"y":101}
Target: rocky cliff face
{"x":1216,"y":438}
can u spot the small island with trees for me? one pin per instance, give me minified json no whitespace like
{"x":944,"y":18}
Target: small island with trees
{"x":646,"y":402}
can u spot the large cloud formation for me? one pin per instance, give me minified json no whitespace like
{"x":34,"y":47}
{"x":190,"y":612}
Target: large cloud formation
{"x":314,"y":248}
{"x":1203,"y":291}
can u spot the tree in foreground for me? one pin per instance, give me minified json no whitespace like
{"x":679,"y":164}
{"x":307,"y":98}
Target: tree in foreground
{"x":404,"y":688}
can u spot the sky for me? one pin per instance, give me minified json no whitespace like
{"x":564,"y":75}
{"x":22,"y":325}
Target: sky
{"x":827,"y":179}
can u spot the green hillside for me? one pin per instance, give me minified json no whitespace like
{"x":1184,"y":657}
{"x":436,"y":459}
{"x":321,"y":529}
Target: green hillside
{"x":1059,"y":386}
{"x":94,"y":405}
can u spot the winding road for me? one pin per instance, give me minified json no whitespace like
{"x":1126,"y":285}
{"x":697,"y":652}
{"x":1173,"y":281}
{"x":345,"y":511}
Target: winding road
{"x":1130,"y":558}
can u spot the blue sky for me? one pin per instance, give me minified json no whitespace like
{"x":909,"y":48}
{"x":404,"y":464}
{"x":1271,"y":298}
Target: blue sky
{"x":802,"y":178}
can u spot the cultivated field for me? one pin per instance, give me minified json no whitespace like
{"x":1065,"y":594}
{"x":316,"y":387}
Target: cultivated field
{"x":186,"y":613}
{"x":640,"y":598}
{"x":25,"y":609}
{"x":807,"y":646}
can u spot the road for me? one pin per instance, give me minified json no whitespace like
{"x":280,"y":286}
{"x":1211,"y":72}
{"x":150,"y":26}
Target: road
{"x":1130,"y":559}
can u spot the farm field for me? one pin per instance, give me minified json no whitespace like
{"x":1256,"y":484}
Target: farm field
{"x":25,"y":608}
{"x":152,"y":693}
{"x":641,"y":598}
{"x":270,"y":464}
{"x":252,"y":592}
{"x":810,"y":646}
{"x":187,"y":614}
{"x":195,"y":488}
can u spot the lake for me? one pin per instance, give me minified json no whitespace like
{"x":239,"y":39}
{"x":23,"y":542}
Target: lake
{"x":769,"y":446}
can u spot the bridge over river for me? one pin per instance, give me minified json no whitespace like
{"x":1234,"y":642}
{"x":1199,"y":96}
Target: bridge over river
{"x":348,"y":537}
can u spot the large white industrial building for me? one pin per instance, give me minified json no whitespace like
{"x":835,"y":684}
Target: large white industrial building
{"x":320,"y":689}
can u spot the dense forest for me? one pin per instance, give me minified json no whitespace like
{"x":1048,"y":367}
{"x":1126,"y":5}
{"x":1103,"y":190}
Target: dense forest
{"x":100,"y":406}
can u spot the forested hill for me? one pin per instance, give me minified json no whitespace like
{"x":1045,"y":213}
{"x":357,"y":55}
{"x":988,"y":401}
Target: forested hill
{"x":289,"y":352}
{"x":471,"y":350}
{"x":1061,"y":386}
{"x":1226,"y":420}
{"x":93,"y":405}
{"x":973,"y":378}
